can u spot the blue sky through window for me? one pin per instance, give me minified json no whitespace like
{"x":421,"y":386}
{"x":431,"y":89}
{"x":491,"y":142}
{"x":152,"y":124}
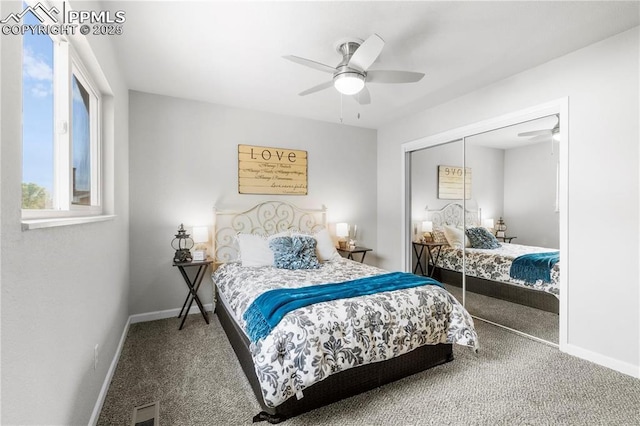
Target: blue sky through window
{"x":37,"y":108}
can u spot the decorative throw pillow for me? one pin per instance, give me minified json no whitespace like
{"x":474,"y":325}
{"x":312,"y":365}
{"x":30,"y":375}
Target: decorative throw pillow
{"x":325,"y":247}
{"x":254,"y":250}
{"x":482,"y":239}
{"x":295,"y":252}
{"x":439,"y":237}
{"x":455,"y":237}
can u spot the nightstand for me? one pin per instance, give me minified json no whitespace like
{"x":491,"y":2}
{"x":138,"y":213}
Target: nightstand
{"x":193,"y":285}
{"x":419,"y":249}
{"x":505,"y":239}
{"x":350,"y":251}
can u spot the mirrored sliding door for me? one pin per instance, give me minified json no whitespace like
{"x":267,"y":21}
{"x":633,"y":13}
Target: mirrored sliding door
{"x":515,"y":201}
{"x":478,"y":204}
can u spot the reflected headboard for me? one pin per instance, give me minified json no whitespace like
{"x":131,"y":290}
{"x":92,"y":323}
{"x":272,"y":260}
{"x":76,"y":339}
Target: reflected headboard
{"x":451,"y":214}
{"x":267,"y":218}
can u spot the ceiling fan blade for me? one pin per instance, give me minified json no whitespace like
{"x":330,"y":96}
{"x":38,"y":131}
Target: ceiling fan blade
{"x":363,"y":97}
{"x":536,"y":133}
{"x":383,"y":76}
{"x":310,"y":63}
{"x":540,"y":138}
{"x":317,"y":88}
{"x":367,"y":53}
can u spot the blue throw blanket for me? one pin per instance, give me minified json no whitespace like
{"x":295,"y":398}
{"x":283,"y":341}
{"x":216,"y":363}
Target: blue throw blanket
{"x":534,"y":266}
{"x":270,"y":307}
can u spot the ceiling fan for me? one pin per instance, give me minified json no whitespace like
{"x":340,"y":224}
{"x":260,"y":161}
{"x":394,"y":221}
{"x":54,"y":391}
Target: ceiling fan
{"x":351,"y":74}
{"x":544,"y":134}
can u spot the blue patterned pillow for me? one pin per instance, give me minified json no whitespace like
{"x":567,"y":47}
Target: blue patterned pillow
{"x":296,"y":252}
{"x":482,"y":239}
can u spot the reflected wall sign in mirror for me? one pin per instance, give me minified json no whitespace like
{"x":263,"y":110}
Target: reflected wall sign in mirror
{"x":511,"y":279}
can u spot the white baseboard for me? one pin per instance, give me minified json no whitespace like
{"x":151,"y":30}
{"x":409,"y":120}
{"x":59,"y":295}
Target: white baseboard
{"x":107,"y":380}
{"x":605,"y":361}
{"x":169,"y":313}
{"x":133,"y":319}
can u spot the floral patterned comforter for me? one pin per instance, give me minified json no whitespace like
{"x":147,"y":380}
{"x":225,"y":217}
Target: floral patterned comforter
{"x":494,"y":264}
{"x":313,"y":342}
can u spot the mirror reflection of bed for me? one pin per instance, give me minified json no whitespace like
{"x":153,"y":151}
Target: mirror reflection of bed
{"x":514,"y":178}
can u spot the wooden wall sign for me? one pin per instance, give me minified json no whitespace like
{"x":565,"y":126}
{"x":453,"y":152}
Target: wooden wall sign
{"x":453,"y":182}
{"x":264,"y":170}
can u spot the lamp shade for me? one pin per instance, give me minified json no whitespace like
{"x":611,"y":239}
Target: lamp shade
{"x":427,"y":226}
{"x":342,"y":229}
{"x":200,"y":234}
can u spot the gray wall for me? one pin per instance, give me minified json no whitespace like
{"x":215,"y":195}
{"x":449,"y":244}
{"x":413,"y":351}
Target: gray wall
{"x":184,"y":162}
{"x":601,"y":82}
{"x":530,"y":195}
{"x":487,"y":167}
{"x":64,"y":289}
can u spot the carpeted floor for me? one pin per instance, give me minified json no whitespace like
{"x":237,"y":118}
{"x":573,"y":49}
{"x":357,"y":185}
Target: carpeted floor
{"x":531,"y":321}
{"x":513,"y":380}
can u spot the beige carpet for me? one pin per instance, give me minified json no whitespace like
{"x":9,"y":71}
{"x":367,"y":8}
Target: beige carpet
{"x":531,"y":321}
{"x":195,"y":376}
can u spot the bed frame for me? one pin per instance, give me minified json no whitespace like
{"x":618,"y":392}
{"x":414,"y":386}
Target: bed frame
{"x":451,"y":214}
{"x":272,"y":217}
{"x":499,"y":290}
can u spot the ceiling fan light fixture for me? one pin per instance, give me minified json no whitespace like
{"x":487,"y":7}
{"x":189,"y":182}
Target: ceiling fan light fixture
{"x":349,"y":83}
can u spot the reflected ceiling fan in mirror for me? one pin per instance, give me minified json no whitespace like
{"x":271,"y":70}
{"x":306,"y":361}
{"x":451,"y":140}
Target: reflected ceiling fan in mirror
{"x":352,"y":73}
{"x":544,"y":134}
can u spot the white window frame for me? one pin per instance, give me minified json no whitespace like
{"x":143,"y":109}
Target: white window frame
{"x":68,"y":63}
{"x":95,"y":109}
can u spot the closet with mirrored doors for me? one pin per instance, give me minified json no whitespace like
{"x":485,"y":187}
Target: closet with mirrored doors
{"x":484,"y":217}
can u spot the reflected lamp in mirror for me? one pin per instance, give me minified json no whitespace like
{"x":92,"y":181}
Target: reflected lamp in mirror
{"x":500,"y":228}
{"x":489,"y":224}
{"x":427,"y":229}
{"x":342,"y":232}
{"x":200,"y":238}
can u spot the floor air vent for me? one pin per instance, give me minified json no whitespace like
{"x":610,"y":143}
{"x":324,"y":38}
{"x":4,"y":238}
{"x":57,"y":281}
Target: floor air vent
{"x":146,"y":415}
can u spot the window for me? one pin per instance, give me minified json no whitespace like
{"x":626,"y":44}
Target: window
{"x":60,"y":130}
{"x":37,"y":120}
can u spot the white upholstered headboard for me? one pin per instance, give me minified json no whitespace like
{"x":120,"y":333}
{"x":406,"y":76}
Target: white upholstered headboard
{"x":267,"y":218}
{"x":451,"y":214}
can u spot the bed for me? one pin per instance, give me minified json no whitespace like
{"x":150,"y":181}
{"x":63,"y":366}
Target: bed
{"x":488,"y":270}
{"x":321,"y":353}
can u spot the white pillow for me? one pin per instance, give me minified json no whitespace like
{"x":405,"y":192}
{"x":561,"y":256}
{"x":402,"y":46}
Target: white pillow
{"x":456,"y":237}
{"x":325,"y":248}
{"x":254,"y":250}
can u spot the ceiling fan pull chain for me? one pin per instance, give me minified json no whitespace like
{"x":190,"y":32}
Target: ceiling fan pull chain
{"x":341,"y":108}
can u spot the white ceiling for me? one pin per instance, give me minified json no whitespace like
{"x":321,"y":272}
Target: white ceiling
{"x":231,"y":52}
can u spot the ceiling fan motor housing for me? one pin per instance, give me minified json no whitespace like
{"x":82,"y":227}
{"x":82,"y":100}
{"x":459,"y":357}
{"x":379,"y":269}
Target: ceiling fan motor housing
{"x":348,"y":80}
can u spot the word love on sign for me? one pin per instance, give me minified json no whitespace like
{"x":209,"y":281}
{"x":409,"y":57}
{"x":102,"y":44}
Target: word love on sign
{"x":264,"y":170}
{"x":453,"y":182}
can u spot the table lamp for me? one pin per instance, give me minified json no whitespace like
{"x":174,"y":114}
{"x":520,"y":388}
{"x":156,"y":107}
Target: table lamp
{"x":200,"y":238}
{"x":342,"y":232}
{"x":427,"y":229}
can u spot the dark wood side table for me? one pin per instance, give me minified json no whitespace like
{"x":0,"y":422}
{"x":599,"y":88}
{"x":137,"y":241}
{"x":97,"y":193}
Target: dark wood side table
{"x":505,"y":239}
{"x":419,"y":249}
{"x":193,"y":285}
{"x":350,"y":251}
